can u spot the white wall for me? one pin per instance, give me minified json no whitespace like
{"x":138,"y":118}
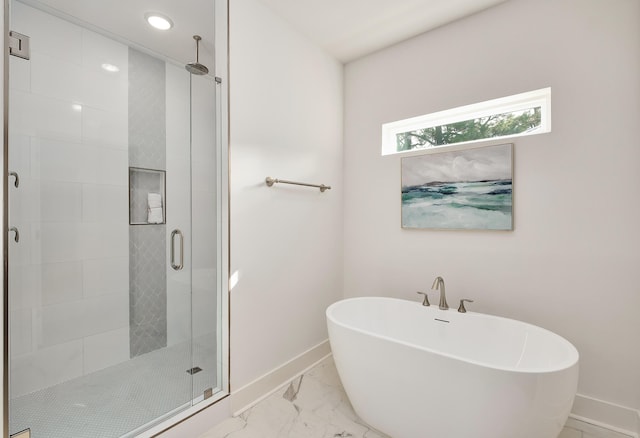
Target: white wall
{"x":286,"y":242}
{"x":571,"y":263}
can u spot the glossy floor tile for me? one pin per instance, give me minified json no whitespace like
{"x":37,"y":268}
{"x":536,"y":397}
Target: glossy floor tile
{"x":316,"y":406}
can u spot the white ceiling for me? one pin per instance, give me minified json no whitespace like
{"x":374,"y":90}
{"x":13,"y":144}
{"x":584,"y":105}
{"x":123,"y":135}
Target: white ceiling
{"x":349,"y":29}
{"x":124,"y":19}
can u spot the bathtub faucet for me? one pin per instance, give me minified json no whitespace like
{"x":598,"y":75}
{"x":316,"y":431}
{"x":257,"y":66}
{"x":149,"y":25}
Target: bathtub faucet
{"x":438,"y":284}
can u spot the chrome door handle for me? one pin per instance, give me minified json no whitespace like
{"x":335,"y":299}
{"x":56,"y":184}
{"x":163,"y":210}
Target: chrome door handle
{"x":17,"y":181}
{"x":173,"y":252}
{"x":17,"y":236}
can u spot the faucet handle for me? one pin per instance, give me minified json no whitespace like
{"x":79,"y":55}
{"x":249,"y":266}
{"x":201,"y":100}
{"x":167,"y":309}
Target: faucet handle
{"x":461,"y":308}
{"x":425,"y":302}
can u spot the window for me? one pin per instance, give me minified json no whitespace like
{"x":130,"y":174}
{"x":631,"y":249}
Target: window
{"x":517,"y":115}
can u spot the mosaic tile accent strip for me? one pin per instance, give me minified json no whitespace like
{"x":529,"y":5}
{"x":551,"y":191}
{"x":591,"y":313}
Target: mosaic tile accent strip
{"x":147,"y":243}
{"x":147,"y":288}
{"x":147,"y":111}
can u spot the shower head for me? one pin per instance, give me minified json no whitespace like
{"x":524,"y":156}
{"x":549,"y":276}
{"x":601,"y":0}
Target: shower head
{"x":195,"y":67}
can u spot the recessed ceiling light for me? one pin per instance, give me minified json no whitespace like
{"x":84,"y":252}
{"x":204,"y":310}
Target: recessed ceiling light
{"x":159,"y":21}
{"x":110,"y":68}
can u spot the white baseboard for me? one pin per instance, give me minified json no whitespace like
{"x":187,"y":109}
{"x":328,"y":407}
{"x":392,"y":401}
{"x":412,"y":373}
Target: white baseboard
{"x":256,"y":391}
{"x":608,"y":415}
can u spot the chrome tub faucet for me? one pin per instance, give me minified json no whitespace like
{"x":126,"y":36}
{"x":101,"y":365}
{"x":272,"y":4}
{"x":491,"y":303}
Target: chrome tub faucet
{"x":438,"y":284}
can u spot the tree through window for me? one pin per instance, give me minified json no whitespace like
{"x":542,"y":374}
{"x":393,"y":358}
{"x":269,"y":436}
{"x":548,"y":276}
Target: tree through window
{"x":521,"y":114}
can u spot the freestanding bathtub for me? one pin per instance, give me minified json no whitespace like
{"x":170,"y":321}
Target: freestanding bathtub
{"x":412,"y":371}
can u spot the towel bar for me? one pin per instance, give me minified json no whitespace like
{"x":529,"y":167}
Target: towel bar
{"x":271,"y":181}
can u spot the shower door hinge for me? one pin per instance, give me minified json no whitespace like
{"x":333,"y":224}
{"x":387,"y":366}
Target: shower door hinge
{"x":19,"y":45}
{"x":218,"y":80}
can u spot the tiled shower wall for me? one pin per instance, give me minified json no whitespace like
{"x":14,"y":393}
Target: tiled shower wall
{"x":75,"y":130}
{"x":69,"y":274}
{"x":147,"y":243}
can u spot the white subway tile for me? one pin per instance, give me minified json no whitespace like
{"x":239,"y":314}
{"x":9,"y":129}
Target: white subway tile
{"x":98,"y":50}
{"x":25,"y":286}
{"x":61,"y":362}
{"x":58,"y":323}
{"x":60,"y":242}
{"x":56,"y":78}
{"x":105,"y":313}
{"x":26,"y":375}
{"x":49,"y":34}
{"x":42,"y":116}
{"x":60,"y":202}
{"x":19,"y":74}
{"x":57,"y":160}
{"x":19,"y":155}
{"x":105,"y":203}
{"x":106,"y":349}
{"x":44,"y":368}
{"x":106,"y":166}
{"x":20,"y":332}
{"x":24,"y":202}
{"x":20,"y":253}
{"x":108,"y":91}
{"x":104,"y":240}
{"x":105,"y":127}
{"x":106,"y":276}
{"x":61,"y":282}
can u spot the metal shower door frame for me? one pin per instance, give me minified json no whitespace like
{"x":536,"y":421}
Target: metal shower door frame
{"x":222,"y":79}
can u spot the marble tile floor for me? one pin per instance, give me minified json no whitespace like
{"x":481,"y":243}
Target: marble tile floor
{"x":118,"y":400}
{"x":316,"y":406}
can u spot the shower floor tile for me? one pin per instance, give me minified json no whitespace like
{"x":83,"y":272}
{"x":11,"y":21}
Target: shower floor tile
{"x":318,"y":407}
{"x":112,"y":402}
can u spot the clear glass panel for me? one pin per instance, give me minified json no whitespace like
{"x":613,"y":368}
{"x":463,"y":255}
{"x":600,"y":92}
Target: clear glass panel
{"x":114,"y":286}
{"x":207,"y":266}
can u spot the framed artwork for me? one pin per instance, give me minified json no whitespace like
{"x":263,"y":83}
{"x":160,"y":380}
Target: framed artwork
{"x":467,"y":189}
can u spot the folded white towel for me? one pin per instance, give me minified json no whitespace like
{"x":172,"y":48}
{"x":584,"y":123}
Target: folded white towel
{"x":155,"y":215}
{"x":154,"y":200}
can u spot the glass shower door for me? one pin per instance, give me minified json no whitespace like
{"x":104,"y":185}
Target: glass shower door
{"x":102,"y":257}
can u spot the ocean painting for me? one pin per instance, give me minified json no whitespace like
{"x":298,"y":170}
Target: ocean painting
{"x":463,"y":190}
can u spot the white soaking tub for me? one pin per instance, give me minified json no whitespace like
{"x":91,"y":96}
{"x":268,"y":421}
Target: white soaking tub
{"x":413,"y":371}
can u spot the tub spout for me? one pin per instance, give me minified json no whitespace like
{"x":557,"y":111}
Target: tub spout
{"x":438,"y":284}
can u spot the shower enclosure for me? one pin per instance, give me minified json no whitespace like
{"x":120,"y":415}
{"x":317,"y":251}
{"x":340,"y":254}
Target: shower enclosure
{"x":116,"y":211}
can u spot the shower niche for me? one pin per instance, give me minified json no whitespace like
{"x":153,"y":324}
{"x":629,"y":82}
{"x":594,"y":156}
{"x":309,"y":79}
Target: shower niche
{"x":147,"y":199}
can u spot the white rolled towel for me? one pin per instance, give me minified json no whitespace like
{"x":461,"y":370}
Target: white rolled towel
{"x":154,"y":200}
{"x":155,"y":215}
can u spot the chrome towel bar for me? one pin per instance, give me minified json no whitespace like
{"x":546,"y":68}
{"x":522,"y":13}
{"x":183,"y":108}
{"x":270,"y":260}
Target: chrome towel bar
{"x":271,"y":181}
